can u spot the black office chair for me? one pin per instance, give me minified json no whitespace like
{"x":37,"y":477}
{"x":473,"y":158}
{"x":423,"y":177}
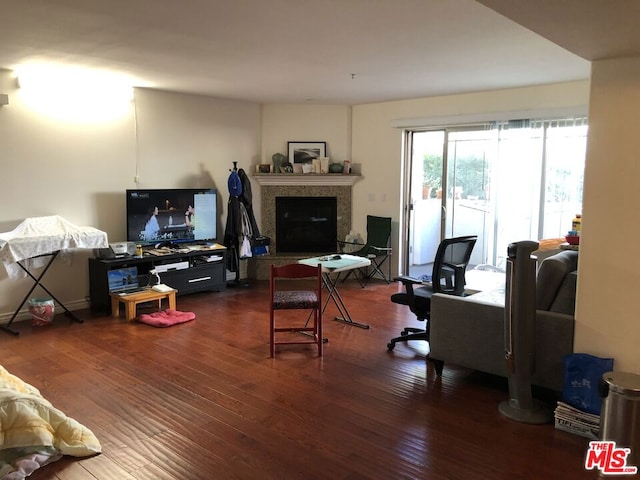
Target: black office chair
{"x":448,"y":277}
{"x":376,"y":249}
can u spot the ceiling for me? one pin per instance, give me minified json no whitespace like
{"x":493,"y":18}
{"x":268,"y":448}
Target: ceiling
{"x":322,"y":51}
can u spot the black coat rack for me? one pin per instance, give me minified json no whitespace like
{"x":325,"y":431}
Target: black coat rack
{"x":232,"y":234}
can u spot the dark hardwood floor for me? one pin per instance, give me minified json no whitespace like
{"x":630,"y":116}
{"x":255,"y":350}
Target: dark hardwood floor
{"x":203,"y":400}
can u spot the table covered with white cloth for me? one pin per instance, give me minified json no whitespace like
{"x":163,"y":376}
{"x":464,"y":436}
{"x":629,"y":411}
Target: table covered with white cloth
{"x":37,"y":236}
{"x":36,"y":242}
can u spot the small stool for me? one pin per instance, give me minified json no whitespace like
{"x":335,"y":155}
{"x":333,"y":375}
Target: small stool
{"x":131,"y":300}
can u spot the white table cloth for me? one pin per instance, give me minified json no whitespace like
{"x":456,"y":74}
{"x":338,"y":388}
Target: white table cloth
{"x":37,"y":236}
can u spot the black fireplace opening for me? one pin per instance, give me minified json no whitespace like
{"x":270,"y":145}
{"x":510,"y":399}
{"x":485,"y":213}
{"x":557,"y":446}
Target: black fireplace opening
{"x":306,"y":224}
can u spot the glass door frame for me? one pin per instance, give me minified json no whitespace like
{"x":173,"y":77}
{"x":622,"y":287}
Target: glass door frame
{"x":407,"y":195}
{"x":446,"y":201}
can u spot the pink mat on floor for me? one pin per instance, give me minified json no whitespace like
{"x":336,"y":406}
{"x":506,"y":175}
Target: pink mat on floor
{"x":166,"y":318}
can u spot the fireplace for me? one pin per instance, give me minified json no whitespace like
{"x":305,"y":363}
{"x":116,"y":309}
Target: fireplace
{"x":318,"y":187}
{"x":269,"y":194}
{"x":306,"y":224}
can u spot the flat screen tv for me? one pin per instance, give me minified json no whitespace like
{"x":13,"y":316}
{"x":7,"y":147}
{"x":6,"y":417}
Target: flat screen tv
{"x":174,"y":215}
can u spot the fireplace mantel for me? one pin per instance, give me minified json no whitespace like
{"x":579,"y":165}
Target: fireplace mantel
{"x":329,"y":179}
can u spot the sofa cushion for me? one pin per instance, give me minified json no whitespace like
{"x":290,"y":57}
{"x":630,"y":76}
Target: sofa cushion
{"x":551,"y":275}
{"x":565,"y":301}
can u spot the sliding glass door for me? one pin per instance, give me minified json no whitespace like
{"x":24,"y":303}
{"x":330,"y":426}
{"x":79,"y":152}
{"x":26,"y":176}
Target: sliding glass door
{"x":505,"y":182}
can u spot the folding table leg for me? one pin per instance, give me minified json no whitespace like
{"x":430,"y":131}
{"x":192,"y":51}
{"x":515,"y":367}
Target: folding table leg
{"x":334,"y":294}
{"x":37,"y":281}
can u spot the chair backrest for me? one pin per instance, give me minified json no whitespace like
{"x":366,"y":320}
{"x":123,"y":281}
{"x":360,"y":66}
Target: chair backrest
{"x":295,"y":271}
{"x":378,"y":231}
{"x":450,"y":264}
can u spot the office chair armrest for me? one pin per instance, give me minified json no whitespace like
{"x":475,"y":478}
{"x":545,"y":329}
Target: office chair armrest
{"x":406,"y":280}
{"x":408,"y":283}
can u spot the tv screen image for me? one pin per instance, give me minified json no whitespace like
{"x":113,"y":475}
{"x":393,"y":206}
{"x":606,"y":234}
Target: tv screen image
{"x":171,"y":215}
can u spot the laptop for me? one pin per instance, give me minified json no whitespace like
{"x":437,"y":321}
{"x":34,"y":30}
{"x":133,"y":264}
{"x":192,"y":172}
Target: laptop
{"x":124,"y":280}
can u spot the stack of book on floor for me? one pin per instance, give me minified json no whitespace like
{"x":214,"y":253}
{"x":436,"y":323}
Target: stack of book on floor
{"x":574,"y":420}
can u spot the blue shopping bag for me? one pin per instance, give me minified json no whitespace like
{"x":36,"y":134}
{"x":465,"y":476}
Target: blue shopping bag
{"x":582,"y":374}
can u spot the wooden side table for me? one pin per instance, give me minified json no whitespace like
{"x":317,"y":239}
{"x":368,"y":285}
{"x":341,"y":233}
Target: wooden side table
{"x":131,"y":300}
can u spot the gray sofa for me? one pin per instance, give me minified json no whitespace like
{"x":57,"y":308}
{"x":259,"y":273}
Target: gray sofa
{"x":469,"y":331}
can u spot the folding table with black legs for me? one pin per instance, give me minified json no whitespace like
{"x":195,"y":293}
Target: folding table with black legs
{"x":332,"y":267}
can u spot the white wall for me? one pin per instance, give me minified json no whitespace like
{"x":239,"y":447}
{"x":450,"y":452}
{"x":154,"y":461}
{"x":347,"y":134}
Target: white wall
{"x":80,"y":171}
{"x":607,"y":317}
{"x":306,"y":123}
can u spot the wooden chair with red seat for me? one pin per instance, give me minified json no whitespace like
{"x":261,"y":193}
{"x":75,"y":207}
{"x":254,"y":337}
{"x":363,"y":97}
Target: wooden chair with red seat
{"x":291,"y":299}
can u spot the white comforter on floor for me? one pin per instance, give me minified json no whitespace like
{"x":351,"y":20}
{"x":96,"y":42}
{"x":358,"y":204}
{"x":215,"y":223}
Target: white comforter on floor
{"x":33,"y":432}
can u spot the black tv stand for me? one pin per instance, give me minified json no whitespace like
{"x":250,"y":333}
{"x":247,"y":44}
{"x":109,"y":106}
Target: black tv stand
{"x":187,"y":271}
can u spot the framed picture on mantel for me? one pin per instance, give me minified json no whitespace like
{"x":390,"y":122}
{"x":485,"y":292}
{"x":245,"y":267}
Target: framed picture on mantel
{"x":306,"y":152}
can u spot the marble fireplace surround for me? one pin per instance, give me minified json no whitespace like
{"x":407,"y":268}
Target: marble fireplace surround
{"x":293,"y":185}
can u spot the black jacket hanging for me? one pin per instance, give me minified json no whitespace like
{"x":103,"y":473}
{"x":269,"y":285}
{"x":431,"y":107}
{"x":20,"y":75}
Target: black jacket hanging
{"x":246,"y":197}
{"x":232,"y":232}
{"x":233,"y":227}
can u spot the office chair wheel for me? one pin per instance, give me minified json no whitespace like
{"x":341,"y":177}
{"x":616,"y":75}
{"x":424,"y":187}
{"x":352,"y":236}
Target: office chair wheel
{"x":391,"y":346}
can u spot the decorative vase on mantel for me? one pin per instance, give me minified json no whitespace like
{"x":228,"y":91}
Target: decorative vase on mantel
{"x":336,"y":168}
{"x":278,"y":159}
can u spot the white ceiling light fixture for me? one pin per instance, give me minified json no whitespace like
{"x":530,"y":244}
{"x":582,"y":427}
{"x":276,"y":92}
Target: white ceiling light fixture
{"x":73,"y":93}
